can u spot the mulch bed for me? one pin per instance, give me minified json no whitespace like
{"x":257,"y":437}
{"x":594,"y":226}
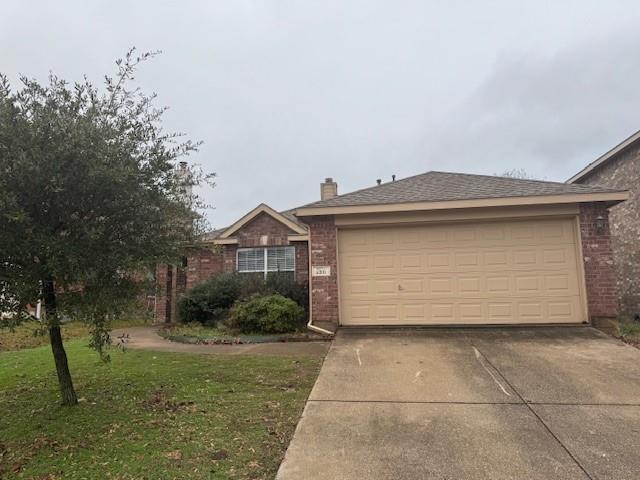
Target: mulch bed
{"x":242,"y":339}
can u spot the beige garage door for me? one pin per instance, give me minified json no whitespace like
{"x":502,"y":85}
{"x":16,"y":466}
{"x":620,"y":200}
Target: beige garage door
{"x":461,"y":273}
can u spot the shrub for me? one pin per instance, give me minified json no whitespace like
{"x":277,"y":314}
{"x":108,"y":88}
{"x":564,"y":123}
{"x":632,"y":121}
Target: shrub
{"x":209,"y":301}
{"x":266,"y":314}
{"x":285,"y":285}
{"x":252,"y":284}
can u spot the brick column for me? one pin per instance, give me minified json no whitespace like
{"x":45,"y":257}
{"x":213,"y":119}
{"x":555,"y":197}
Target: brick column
{"x":324,"y":290}
{"x":302,"y":262}
{"x":164,"y":282}
{"x":599,"y":269}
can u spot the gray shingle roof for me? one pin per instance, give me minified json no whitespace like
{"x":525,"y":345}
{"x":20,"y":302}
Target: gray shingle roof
{"x":290,"y":214}
{"x":445,"y":186}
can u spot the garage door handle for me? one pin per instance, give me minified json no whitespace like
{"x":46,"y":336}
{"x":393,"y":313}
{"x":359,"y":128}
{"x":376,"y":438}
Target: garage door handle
{"x":399,"y":287}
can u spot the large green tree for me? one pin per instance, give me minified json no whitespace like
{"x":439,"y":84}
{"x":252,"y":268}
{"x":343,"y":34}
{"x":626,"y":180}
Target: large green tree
{"x":90,"y":196}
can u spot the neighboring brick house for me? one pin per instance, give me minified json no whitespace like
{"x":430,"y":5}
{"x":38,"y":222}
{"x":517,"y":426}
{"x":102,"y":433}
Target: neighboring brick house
{"x":433,"y":249}
{"x":619,"y":168}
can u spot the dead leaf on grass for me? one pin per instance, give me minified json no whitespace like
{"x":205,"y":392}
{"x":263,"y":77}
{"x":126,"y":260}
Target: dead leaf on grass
{"x":160,"y":402}
{"x":175,"y":455}
{"x":220,"y":454}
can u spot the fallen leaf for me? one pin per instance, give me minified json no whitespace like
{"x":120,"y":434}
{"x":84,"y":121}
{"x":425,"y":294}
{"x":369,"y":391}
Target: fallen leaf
{"x":175,"y":455}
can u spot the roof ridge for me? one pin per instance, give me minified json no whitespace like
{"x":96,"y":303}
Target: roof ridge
{"x":369,"y":188}
{"x":502,"y":176}
{"x":392,"y":182}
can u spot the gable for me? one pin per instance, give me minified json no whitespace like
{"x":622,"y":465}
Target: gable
{"x":263,"y":209}
{"x":263,"y":225}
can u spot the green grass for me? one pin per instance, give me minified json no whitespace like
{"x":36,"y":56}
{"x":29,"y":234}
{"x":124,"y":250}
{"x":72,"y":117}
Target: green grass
{"x":630,"y":332}
{"x":149,"y":415}
{"x":30,"y":334}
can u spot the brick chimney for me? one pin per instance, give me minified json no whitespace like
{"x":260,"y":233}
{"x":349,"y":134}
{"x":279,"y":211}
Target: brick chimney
{"x":328,"y":189}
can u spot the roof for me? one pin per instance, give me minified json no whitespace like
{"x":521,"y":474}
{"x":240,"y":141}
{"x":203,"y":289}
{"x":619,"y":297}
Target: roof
{"x":445,"y":186}
{"x":598,"y":162}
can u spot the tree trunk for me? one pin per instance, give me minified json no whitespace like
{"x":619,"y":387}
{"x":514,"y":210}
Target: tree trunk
{"x":67,"y":391}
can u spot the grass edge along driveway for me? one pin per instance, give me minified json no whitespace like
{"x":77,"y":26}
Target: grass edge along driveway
{"x":150,"y":414}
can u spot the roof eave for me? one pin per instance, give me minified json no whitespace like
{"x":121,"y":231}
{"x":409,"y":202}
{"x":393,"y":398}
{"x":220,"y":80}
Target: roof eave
{"x":598,"y":162}
{"x":612,"y":197}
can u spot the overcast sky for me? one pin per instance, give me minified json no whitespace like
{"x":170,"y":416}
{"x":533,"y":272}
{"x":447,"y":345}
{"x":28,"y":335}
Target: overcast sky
{"x":285,"y":93}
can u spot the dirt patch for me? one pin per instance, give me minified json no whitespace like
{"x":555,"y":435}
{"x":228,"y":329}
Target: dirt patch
{"x":160,"y":401}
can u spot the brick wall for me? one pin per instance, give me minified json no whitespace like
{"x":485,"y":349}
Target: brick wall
{"x":324,"y":290}
{"x":623,"y":171}
{"x":229,"y":258}
{"x":203,"y":263}
{"x":599,"y":269}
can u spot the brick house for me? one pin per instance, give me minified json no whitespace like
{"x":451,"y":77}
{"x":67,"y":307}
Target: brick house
{"x":433,"y":249}
{"x":619,"y":168}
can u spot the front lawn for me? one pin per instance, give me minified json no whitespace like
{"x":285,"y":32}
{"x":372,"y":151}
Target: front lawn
{"x":31,"y":334}
{"x":150,"y":415}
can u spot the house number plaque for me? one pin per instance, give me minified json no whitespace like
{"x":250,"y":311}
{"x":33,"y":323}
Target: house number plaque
{"x":321,"y":271}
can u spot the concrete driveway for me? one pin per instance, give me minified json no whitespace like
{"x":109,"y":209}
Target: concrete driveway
{"x":508,"y":403}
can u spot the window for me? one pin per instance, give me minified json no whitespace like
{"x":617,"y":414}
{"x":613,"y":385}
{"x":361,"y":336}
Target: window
{"x":251,"y":260}
{"x":264,"y":260}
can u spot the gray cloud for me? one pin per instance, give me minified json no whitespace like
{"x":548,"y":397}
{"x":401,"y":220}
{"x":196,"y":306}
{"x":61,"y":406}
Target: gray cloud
{"x":548,"y":114}
{"x":284,"y":93}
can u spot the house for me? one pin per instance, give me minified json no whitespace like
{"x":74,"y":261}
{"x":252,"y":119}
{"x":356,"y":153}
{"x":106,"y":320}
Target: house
{"x":433,"y":249}
{"x":619,"y":168}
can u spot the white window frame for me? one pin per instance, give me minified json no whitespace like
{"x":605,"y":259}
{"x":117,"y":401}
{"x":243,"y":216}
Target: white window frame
{"x":265,"y":250}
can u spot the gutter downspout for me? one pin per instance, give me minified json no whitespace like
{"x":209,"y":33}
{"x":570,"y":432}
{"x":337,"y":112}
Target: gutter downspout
{"x":310,"y":325}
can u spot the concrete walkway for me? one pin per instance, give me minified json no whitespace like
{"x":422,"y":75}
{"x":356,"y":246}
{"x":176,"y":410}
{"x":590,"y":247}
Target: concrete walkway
{"x":510,"y":403}
{"x":147,"y":338}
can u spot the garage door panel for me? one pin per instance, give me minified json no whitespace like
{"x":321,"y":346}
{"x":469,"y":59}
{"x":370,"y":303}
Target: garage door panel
{"x":385,"y":287}
{"x":438,"y":287}
{"x":356,"y":264}
{"x":414,"y":313}
{"x":412,"y":262}
{"x":500,"y":235}
{"x":482,"y":259}
{"x":463,"y":285}
{"x":463,"y":311}
{"x":492,"y":272}
{"x":561,"y":283}
{"x":472,"y":312}
{"x":441,"y":260}
{"x":470,"y":285}
{"x":384,"y":262}
{"x":498,"y":285}
{"x":500,"y":312}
